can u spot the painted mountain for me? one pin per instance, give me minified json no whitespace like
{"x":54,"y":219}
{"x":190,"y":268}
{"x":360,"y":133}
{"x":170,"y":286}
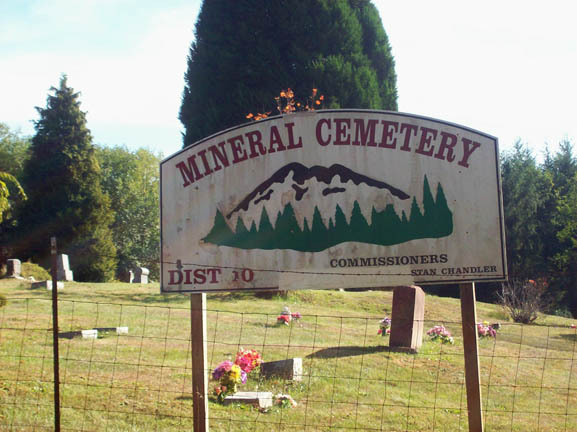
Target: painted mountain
{"x":307,"y":209}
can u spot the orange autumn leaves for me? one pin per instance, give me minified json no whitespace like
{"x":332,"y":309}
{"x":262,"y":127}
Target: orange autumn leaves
{"x":286,"y":104}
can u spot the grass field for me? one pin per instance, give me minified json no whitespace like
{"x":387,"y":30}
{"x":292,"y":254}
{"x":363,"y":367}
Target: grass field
{"x":142,"y":381}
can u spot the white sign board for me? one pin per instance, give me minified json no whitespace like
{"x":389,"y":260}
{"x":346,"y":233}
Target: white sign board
{"x":332,"y":199}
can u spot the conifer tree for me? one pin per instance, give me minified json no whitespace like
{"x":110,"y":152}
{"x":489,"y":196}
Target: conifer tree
{"x":319,"y":232}
{"x":359,"y":226}
{"x":525,"y":190}
{"x":241,"y":234}
{"x":65,"y":196}
{"x":342,"y":227}
{"x":246,"y":51}
{"x":428,"y":201}
{"x":288,"y":225}
{"x":220,"y":232}
{"x":443,"y":217}
{"x":265,"y":230}
{"x":416,"y":218}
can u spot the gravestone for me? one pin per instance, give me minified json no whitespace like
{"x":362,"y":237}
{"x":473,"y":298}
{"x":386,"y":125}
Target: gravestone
{"x":13,"y":268}
{"x":407,"y":318}
{"x":63,"y":272}
{"x":257,"y":399}
{"x":117,"y":330}
{"x":141,"y":275}
{"x":84,"y":334}
{"x":89,"y":334}
{"x":47,"y":285}
{"x":290,"y":369}
{"x":127,"y":276}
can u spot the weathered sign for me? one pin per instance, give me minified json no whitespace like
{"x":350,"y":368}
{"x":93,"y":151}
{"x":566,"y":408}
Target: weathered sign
{"x":332,"y":199}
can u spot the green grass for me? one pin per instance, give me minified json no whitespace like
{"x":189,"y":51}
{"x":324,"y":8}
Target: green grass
{"x":142,"y":381}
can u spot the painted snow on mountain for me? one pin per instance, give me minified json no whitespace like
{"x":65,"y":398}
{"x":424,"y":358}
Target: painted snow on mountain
{"x":317,"y":186}
{"x":311,"y":209}
{"x":311,"y":182}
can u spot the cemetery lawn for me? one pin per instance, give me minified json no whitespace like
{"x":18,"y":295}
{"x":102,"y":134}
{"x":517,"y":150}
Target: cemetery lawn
{"x":141,"y":381}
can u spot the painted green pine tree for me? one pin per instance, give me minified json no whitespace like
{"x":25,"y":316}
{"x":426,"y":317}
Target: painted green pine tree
{"x":428,"y":201}
{"x":341,"y":234}
{"x":266,"y":231}
{"x":442,"y":217}
{"x":287,"y":224}
{"x":220,"y":233}
{"x":416,"y":219}
{"x":319,"y":233}
{"x":359,"y":227}
{"x":386,"y":227}
{"x":241,"y":234}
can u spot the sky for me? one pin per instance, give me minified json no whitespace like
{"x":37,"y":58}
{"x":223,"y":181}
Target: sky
{"x":506,"y":68}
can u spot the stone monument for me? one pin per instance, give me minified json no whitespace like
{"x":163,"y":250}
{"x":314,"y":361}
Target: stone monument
{"x":261,"y":400}
{"x":290,"y":369}
{"x":63,"y":272}
{"x":407,"y":319}
{"x":47,"y":285}
{"x":13,"y":268}
{"x":141,"y":275}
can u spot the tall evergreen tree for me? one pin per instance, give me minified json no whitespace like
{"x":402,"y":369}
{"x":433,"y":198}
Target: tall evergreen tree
{"x":563,"y":167}
{"x":565,"y":279}
{"x":62,"y":179}
{"x":525,"y":190}
{"x":246,"y":51}
{"x":559,"y":234}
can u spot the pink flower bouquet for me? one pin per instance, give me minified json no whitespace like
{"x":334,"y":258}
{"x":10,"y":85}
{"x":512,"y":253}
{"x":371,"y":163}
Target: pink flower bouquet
{"x":486,"y":330}
{"x":439,"y":332}
{"x":384,"y":326}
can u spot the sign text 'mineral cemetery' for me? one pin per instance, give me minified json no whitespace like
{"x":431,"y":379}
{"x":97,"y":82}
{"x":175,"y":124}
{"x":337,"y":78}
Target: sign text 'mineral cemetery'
{"x":332,"y":199}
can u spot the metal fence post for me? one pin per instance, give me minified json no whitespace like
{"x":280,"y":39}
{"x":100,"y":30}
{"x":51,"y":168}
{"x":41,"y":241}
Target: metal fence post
{"x":54,"y":256}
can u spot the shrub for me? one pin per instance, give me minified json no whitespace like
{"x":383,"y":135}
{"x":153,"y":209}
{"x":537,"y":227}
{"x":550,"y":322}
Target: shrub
{"x":3,"y":301}
{"x":561,"y":311}
{"x":34,"y":270}
{"x":522,"y":299}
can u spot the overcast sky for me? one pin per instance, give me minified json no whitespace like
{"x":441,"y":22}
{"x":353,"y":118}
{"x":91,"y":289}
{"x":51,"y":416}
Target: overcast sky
{"x":507,"y":68}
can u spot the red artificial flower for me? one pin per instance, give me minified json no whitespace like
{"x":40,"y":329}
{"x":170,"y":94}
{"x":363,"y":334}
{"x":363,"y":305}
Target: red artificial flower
{"x":284,"y":319}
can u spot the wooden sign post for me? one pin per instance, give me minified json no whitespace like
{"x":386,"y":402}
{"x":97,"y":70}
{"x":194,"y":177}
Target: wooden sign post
{"x":471,"y":349}
{"x":199,"y":362}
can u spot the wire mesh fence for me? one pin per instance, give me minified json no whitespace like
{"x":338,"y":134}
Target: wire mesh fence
{"x":137,"y":374}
